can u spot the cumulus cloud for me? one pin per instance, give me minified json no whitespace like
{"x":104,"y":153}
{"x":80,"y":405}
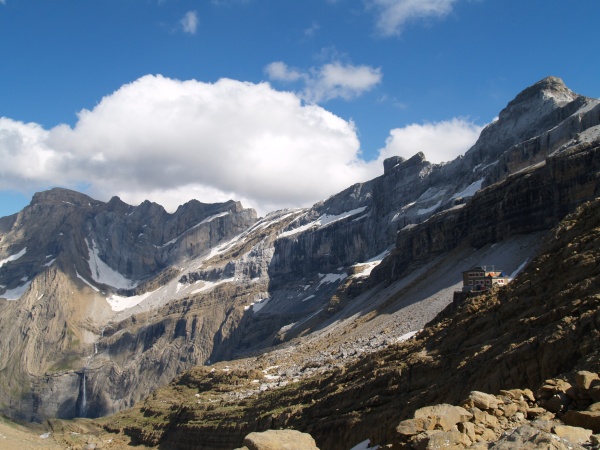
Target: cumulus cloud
{"x":170,"y":141}
{"x":223,"y":140}
{"x":440,"y":141}
{"x":189,"y":22}
{"x":392,"y":15}
{"x":332,"y":80}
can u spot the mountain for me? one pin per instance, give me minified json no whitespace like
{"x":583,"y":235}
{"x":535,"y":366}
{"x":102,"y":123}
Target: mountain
{"x":534,"y":343}
{"x":105,"y":302}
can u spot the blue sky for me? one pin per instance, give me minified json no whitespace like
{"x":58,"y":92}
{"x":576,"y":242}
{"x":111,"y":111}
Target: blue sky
{"x":277,"y":103}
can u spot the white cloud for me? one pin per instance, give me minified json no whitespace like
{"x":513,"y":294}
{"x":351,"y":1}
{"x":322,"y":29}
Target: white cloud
{"x":312,"y":30}
{"x":341,"y":80}
{"x":170,"y":141}
{"x":280,"y":71}
{"x":392,"y":15}
{"x":181,"y":140}
{"x":440,"y":141}
{"x":26,"y":158}
{"x":332,"y":80}
{"x":189,"y":23}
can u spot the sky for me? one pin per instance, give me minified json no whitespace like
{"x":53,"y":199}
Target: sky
{"x":275,"y":103}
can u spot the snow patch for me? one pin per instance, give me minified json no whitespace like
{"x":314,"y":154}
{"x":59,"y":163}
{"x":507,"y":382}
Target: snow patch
{"x":322,"y":221}
{"x":260,"y":305}
{"x":86,"y":282}
{"x":257,"y":305}
{"x":368,"y":266}
{"x":331,"y":278}
{"x":120,"y":303}
{"x":423,"y":211}
{"x":308,"y":298}
{"x":49,"y":263}
{"x":470,"y":190}
{"x":13,"y":257}
{"x":103,"y":274}
{"x":16,"y":293}
{"x":209,"y":285}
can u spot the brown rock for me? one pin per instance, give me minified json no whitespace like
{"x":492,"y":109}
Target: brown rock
{"x":534,"y":413}
{"x":488,"y":435}
{"x":584,"y":379}
{"x":527,"y":437}
{"x":483,"y":418}
{"x":584,"y":419}
{"x":438,"y":440}
{"x":482,"y":400}
{"x":519,"y":394}
{"x":576,"y":435}
{"x":558,"y":402}
{"x":446,"y":416}
{"x":555,"y":386}
{"x":280,"y":440}
{"x":410,"y":427}
{"x":594,"y":393}
{"x":594,"y":407}
{"x":468,"y":428}
{"x":510,"y":409}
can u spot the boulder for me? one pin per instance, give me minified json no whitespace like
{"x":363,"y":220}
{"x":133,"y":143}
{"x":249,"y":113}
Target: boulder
{"x":482,"y":400}
{"x":411,"y":427}
{"x":280,"y":440}
{"x":510,"y":409}
{"x":519,"y":394}
{"x":584,"y":379}
{"x":576,"y":435}
{"x":584,"y":419}
{"x":527,"y":437}
{"x":558,"y":402}
{"x":594,"y":407}
{"x":594,"y":393}
{"x":483,"y":418}
{"x":445,"y":416}
{"x":438,"y":440}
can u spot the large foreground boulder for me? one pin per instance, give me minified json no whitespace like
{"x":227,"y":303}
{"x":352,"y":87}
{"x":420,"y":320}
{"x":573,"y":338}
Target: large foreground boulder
{"x":279,"y":440}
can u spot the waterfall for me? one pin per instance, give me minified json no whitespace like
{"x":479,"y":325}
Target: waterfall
{"x":82,"y":397}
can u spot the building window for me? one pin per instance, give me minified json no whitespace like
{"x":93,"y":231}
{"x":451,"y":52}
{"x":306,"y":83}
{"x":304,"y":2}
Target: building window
{"x":471,"y":282}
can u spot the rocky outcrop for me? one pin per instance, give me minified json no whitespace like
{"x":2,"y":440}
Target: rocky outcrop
{"x":511,"y":419}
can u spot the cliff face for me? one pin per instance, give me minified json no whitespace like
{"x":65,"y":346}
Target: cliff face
{"x":107,"y":301}
{"x":526,"y":202}
{"x":544,"y":324}
{"x":69,"y":253}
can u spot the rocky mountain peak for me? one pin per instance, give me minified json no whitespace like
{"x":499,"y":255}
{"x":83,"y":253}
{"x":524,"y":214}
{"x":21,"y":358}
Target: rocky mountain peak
{"x":539,"y":99}
{"x":117,"y":205}
{"x":61,"y":195}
